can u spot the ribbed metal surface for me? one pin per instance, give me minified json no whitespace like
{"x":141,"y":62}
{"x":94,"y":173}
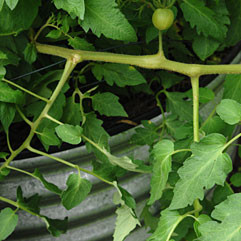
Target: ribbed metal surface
{"x":94,"y":218}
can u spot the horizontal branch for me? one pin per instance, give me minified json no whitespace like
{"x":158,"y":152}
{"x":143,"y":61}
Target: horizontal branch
{"x":155,"y":61}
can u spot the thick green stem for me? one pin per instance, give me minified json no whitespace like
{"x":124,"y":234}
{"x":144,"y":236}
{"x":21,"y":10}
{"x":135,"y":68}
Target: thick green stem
{"x":155,"y":61}
{"x":195,"y":90}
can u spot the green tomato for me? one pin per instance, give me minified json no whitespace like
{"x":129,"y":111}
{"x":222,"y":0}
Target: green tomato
{"x":162,"y":19}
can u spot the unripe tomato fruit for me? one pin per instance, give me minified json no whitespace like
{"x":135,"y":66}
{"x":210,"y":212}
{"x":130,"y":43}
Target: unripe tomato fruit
{"x":162,"y":18}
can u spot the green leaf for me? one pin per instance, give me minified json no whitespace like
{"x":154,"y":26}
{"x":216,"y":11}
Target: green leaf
{"x":56,"y":226}
{"x":229,"y":215}
{"x":72,"y":114}
{"x":232,"y":87}
{"x":8,"y":222}
{"x":229,"y":111}
{"x":75,"y":8}
{"x":48,"y":137}
{"x":167,"y":223}
{"x":120,"y":74}
{"x":13,"y":22}
{"x":50,"y":186}
{"x":127,"y":198}
{"x":126,"y":221}
{"x":204,"y":46}
{"x":146,"y":135}
{"x":203,"y":218}
{"x":7,"y":94}
{"x":77,"y":190}
{"x":104,"y":17}
{"x":207,"y":166}
{"x":178,"y":129}
{"x":236,"y":179}
{"x":80,"y":43}
{"x":214,"y":125}
{"x":149,"y":220}
{"x":11,"y":3}
{"x":5,"y":171}
{"x":221,"y":193}
{"x":7,"y":114}
{"x":54,"y":34}
{"x":179,"y":106}
{"x":108,"y":104}
{"x":203,"y":18}
{"x":2,"y":72}
{"x":162,"y":166}
{"x":151,"y":34}
{"x":233,"y":35}
{"x":205,"y":95}
{"x":69,"y":133}
{"x":31,"y":203}
{"x":1,"y":4}
{"x":169,"y":79}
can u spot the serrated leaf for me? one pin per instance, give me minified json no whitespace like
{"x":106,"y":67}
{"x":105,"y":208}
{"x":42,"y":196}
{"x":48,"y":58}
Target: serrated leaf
{"x":179,"y":106}
{"x":232,"y":87}
{"x":204,"y":46}
{"x":162,"y":166}
{"x":77,"y":190}
{"x":50,"y":186}
{"x":9,"y":95}
{"x":119,"y":74}
{"x":127,"y":198}
{"x":149,"y":220}
{"x":236,"y":179}
{"x":207,"y":166}
{"x":229,"y":214}
{"x":221,"y":193}
{"x":229,"y":111}
{"x":80,"y":43}
{"x":8,"y":222}
{"x":69,"y":133}
{"x":108,"y":104}
{"x":104,"y":17}
{"x":15,"y":21}
{"x":233,"y":35}
{"x":205,"y":95}
{"x":146,"y":135}
{"x":56,"y":226}
{"x":75,"y":8}
{"x":11,"y":3}
{"x":7,"y":114}
{"x":48,"y":137}
{"x":126,"y":221}
{"x":167,"y":223}
{"x":203,"y":18}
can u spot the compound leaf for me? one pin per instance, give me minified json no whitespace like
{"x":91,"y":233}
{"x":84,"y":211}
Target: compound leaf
{"x":9,"y":95}
{"x":8,"y":222}
{"x":108,"y":104}
{"x":229,"y":214}
{"x":104,"y":17}
{"x":207,"y":166}
{"x":161,"y":153}
{"x":77,"y":190}
{"x":120,"y":74}
{"x":48,"y":137}
{"x":7,"y":114}
{"x":229,"y":111}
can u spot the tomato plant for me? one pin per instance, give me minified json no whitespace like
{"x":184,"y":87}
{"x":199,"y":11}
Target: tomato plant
{"x":115,"y":42}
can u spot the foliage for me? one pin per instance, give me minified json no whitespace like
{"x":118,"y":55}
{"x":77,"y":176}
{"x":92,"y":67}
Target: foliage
{"x":188,"y":150}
